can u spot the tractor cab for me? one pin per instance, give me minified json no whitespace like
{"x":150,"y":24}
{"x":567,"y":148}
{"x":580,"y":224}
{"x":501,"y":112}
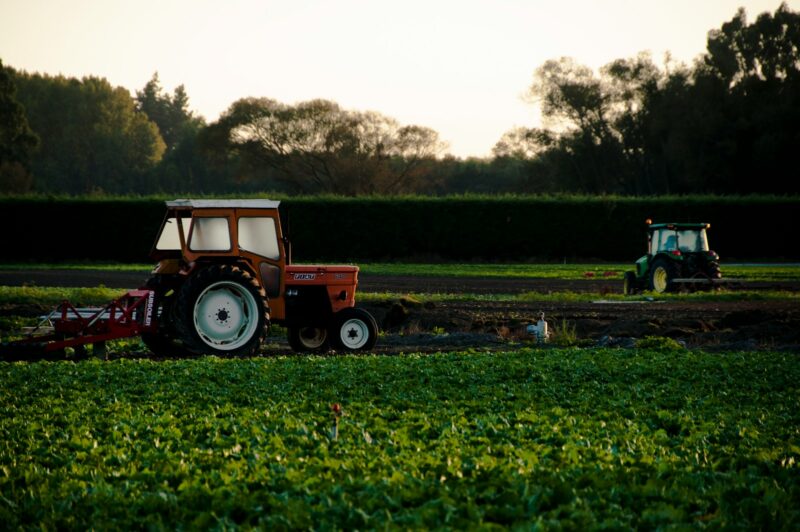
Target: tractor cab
{"x":678,"y":238}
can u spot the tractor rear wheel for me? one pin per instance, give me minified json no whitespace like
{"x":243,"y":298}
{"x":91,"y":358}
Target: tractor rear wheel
{"x":305,"y":339}
{"x":662,"y":273}
{"x":222,"y":310}
{"x":354,"y":329}
{"x":629,"y":284}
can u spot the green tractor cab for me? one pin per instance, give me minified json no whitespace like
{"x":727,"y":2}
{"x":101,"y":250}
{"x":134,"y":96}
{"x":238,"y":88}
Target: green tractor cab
{"x":677,"y":257}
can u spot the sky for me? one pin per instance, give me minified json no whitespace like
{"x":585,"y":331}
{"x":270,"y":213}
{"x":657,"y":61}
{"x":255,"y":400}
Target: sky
{"x":460,"y":67}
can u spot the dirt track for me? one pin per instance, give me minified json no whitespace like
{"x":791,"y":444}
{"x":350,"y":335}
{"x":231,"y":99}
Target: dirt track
{"x":413,"y":326}
{"x":716,"y":325}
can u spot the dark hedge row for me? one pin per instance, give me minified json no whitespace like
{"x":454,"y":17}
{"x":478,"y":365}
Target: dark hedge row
{"x":384,"y":229}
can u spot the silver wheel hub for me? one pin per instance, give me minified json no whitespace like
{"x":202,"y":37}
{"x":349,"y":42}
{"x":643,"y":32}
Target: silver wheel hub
{"x":354,"y":334}
{"x":226,"y":315}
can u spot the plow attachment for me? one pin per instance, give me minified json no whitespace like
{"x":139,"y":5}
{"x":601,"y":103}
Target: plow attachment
{"x":67,"y":326}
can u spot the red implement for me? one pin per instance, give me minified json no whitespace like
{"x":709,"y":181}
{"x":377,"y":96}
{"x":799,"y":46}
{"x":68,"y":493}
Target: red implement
{"x":68,"y":326}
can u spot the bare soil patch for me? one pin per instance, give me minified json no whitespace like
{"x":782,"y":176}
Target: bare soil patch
{"x":711,"y":325}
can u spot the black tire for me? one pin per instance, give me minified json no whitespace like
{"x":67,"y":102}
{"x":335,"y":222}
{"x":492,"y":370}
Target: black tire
{"x":629,"y":284}
{"x":354,"y":329}
{"x":221,"y":310}
{"x":309,"y":339}
{"x":163,"y":343}
{"x":662,"y":273}
{"x":713,"y":270}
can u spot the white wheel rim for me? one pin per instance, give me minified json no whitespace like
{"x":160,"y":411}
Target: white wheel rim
{"x":354,"y":333}
{"x":660,"y":279}
{"x":225,"y":315}
{"x":312,"y":337}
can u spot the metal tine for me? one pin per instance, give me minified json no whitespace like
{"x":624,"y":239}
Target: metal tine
{"x":43,"y":320}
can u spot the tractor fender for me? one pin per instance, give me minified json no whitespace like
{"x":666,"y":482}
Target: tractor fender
{"x":642,"y":266}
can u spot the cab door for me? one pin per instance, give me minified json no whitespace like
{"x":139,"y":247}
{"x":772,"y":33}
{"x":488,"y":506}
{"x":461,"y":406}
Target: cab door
{"x":259,"y":240}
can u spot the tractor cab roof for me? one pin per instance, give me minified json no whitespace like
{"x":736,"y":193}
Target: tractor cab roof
{"x":223,"y":204}
{"x":679,"y":226}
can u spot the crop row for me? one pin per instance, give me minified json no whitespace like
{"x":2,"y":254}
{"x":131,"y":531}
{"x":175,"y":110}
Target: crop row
{"x":559,"y":438}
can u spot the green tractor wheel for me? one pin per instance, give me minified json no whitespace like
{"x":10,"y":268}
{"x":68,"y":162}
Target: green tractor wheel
{"x":662,"y":273}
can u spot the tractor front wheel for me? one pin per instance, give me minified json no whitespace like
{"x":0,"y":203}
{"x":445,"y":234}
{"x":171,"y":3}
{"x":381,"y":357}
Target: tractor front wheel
{"x":662,"y":274}
{"x":354,"y":329}
{"x":222,"y":310}
{"x":305,"y":339}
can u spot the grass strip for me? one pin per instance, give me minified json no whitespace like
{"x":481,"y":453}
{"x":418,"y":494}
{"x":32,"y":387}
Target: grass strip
{"x":751,"y":272}
{"x":47,"y":296}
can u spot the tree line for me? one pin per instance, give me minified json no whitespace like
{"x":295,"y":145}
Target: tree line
{"x":727,"y":124}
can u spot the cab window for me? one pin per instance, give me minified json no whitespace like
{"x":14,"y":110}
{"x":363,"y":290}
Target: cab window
{"x":259,"y":235}
{"x":169,"y":239}
{"x":656,"y":241}
{"x":210,"y":234}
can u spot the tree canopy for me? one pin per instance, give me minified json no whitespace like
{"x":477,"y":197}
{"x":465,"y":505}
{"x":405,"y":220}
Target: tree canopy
{"x":727,"y":124}
{"x":171,"y":114}
{"x":92,"y":136}
{"x":17,"y":140}
{"x":316,"y":146}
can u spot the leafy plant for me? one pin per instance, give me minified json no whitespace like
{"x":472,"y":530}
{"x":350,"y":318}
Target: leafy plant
{"x":564,"y":334}
{"x":660,"y":343}
{"x":560,"y":438}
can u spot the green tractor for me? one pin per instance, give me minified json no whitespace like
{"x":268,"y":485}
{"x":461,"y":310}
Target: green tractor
{"x":677,"y":257}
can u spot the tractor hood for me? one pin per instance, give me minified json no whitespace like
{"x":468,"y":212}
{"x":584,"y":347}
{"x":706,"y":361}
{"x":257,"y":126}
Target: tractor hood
{"x":315,"y":272}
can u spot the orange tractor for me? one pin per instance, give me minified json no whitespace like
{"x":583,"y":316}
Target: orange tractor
{"x":224,"y":274}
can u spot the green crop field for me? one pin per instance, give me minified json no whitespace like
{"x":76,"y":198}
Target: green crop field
{"x":532,"y":438}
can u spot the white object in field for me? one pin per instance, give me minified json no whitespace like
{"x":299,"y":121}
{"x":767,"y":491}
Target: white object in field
{"x":539,"y":330}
